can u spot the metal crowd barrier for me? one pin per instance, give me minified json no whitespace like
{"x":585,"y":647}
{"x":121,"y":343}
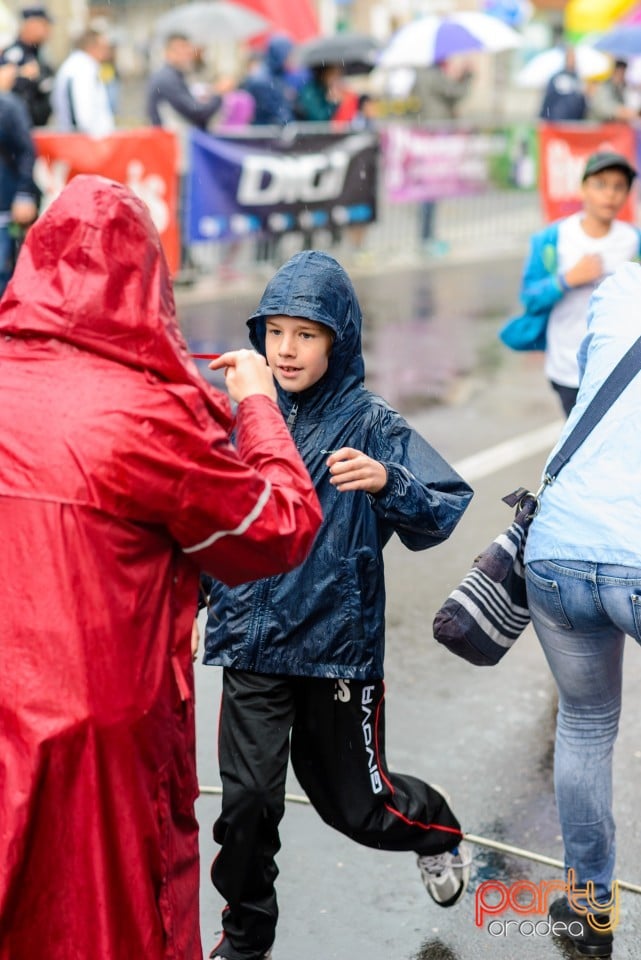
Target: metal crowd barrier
{"x":492,"y":222}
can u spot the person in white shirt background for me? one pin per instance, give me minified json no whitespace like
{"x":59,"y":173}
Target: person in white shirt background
{"x":567,"y":260}
{"x":80,"y":98}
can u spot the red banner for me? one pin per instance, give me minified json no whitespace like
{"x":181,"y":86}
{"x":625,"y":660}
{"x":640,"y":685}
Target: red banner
{"x":145,"y":160}
{"x":563,"y":154}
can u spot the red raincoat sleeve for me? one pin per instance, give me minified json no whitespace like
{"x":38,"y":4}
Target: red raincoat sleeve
{"x":271,"y":512}
{"x":240,"y":513}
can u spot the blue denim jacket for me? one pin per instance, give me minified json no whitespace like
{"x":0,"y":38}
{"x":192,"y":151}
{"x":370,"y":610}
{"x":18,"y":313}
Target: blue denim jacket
{"x":326,"y":619}
{"x":592,"y":511}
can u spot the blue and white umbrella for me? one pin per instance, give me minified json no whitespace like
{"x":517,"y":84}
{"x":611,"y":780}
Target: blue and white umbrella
{"x":622,"y":42}
{"x":431,"y":39}
{"x":541,"y":68}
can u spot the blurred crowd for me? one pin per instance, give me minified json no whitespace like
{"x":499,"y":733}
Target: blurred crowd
{"x":83,"y":96}
{"x":273,"y":86}
{"x":569,"y":97}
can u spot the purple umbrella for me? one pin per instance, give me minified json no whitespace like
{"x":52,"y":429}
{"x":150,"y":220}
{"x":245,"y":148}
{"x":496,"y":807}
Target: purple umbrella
{"x":431,"y":39}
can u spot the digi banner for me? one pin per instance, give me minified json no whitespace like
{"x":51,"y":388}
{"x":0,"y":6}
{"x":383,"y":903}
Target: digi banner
{"x":145,"y":160}
{"x":296,"y":181}
{"x":564,"y":150}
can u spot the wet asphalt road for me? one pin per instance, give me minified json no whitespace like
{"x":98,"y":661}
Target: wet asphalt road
{"x":486,"y":735}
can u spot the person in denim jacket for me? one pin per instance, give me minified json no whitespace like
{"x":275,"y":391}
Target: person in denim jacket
{"x":583,"y":574}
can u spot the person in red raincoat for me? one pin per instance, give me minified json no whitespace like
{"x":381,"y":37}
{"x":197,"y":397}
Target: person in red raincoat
{"x":118,"y":484}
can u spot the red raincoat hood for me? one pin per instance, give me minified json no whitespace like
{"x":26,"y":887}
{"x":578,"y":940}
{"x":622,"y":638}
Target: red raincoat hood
{"x":92,"y":272}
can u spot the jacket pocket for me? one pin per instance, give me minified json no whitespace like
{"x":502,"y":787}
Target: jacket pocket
{"x":348,"y":613}
{"x":361,"y":596}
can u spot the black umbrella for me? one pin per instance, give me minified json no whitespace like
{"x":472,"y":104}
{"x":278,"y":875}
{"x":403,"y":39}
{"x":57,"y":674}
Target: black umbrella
{"x":355,"y":52}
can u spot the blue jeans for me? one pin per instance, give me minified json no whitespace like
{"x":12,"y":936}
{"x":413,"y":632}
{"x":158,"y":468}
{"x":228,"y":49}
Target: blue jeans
{"x":428,"y":216}
{"x":581,"y":613}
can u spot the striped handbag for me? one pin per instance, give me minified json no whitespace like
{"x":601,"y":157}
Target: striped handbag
{"x":487,"y":612}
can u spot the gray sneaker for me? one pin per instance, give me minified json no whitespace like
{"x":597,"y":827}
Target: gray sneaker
{"x":446,"y":875}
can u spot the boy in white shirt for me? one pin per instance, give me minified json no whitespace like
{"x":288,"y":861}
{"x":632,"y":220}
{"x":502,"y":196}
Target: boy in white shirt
{"x":567,"y":260}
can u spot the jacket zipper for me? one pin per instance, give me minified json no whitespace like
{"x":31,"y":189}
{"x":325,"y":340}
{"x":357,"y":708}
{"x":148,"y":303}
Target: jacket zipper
{"x":291,"y":417}
{"x":255,"y":631}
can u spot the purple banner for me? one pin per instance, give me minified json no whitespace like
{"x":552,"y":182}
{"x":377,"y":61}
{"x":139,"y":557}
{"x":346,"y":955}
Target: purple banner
{"x":424,"y":164}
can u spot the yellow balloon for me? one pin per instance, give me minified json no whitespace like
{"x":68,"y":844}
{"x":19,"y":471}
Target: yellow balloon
{"x":595,"y":16}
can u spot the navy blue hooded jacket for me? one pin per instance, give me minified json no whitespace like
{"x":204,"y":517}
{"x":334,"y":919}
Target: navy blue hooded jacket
{"x":326,"y":618}
{"x":269,"y":86}
{"x":17,"y":153}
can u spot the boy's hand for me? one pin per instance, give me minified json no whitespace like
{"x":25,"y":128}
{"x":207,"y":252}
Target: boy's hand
{"x":353,"y":470}
{"x":195,"y":639}
{"x":587,"y":270}
{"x":246,"y":374}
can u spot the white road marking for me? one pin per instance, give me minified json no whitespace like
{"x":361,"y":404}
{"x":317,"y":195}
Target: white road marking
{"x":510,"y":451}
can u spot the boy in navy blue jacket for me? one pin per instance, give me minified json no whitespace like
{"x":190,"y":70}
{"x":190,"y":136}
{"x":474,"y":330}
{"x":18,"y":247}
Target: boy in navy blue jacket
{"x":303,"y":652}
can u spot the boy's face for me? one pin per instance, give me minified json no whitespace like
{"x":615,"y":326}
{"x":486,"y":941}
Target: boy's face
{"x":297,"y":351}
{"x":604,"y":194}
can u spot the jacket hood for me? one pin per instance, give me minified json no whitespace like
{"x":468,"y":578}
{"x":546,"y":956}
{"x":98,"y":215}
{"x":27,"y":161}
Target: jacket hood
{"x":277,"y":52}
{"x":92,"y":272}
{"x":313,"y":285}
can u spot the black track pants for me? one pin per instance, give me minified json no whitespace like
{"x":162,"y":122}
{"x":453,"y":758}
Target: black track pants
{"x":338,"y":754}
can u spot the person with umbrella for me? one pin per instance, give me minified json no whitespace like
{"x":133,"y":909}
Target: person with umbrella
{"x":273,"y":83}
{"x":320,"y":98}
{"x":564,"y":97}
{"x":270,"y":84}
{"x":439,"y":89}
{"x":171,"y":104}
{"x":608,"y":99}
{"x":319,"y":101}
